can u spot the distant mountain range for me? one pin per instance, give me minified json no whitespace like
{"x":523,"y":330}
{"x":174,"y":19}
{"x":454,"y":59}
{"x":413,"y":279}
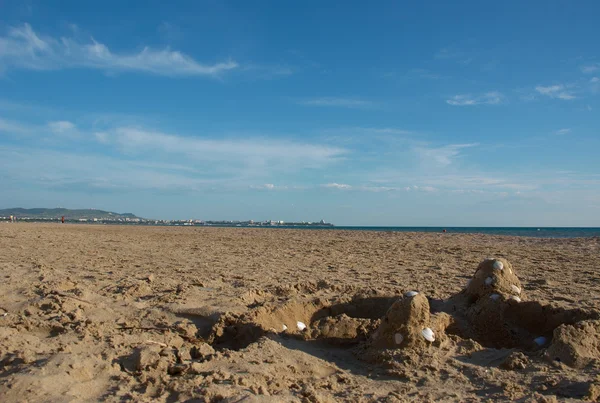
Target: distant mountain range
{"x":46,"y":213}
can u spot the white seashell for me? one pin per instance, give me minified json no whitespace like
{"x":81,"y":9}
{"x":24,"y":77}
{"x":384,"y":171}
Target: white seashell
{"x":398,"y":338}
{"x":509,"y":270}
{"x":495,"y":297}
{"x":301,"y":326}
{"x":540,"y":341}
{"x":513,"y":297}
{"x":284,"y":328}
{"x":428,"y":334}
{"x":498,"y":265}
{"x":410,"y":294}
{"x":489,"y":281}
{"x":515,"y":288}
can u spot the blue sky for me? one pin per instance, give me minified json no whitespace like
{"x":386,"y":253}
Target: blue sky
{"x":437,"y":113}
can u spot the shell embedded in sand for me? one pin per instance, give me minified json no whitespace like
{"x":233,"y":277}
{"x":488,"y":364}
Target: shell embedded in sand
{"x":284,"y":328}
{"x":489,"y":281}
{"x":428,"y":334}
{"x":540,"y":341}
{"x":301,"y":326}
{"x":410,"y":293}
{"x":515,"y":298}
{"x":495,"y":297}
{"x":498,"y":265}
{"x":515,"y":288}
{"x":398,"y":338}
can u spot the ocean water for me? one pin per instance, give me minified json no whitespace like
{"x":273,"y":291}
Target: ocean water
{"x":537,"y":232}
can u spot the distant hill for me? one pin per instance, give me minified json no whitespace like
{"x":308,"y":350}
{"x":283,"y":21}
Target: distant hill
{"x":67,"y":213}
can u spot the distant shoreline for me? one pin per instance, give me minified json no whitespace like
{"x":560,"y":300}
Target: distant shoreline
{"x":532,"y":232}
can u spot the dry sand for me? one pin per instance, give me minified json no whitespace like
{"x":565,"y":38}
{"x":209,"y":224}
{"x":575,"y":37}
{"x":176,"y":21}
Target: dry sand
{"x":173,"y":314}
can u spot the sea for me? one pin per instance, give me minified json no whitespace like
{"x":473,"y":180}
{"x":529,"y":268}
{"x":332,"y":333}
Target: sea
{"x":537,"y":232}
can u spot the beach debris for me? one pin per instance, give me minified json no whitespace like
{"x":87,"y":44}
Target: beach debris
{"x":411,"y":293}
{"x":495,"y":297}
{"x":498,"y":265}
{"x":489,"y":281}
{"x":301,"y":326}
{"x":158,"y":343}
{"x":398,"y":338}
{"x":515,"y":288}
{"x":284,"y":328}
{"x":428,"y":334}
{"x":540,"y":341}
{"x":515,"y":298}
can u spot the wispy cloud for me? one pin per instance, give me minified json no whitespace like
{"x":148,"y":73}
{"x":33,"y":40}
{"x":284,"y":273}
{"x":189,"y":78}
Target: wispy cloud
{"x":10,"y":127}
{"x":255,"y":151}
{"x":489,"y":98}
{"x":442,"y":156}
{"x":590,"y":68}
{"x":268,"y":186}
{"x":562,"y":132}
{"x":352,"y":103}
{"x":61,"y":127}
{"x":558,"y":91}
{"x":337,"y":186}
{"x":23,"y":48}
{"x":454,"y":53}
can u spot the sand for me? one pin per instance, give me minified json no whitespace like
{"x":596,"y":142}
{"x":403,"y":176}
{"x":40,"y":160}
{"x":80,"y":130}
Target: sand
{"x":236,"y":314}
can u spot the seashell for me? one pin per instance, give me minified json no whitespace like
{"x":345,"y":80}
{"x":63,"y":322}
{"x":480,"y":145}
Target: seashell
{"x":301,"y":326}
{"x":495,"y":297}
{"x":515,"y":298}
{"x":284,"y":328}
{"x":489,"y":281}
{"x":498,"y":265}
{"x":398,"y":338}
{"x":428,"y":334}
{"x":515,"y":288}
{"x":509,"y":270}
{"x":410,"y":294}
{"x":540,"y":341}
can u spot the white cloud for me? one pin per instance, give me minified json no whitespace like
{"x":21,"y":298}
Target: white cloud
{"x":555,"y":91}
{"x":489,"y":98}
{"x":443,"y":156}
{"x":594,"y":80}
{"x":563,"y":131}
{"x":351,"y":103}
{"x":590,"y":68}
{"x":61,"y":126}
{"x":24,"y":48}
{"x":337,"y":186}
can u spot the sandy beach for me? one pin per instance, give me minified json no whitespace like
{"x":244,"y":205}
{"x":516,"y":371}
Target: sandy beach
{"x":92,"y":312}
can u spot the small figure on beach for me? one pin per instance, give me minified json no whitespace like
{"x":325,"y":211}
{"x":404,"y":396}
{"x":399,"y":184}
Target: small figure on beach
{"x":63,"y":219}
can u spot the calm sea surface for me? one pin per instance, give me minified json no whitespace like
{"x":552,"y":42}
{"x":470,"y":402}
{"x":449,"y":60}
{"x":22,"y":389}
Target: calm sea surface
{"x":538,"y":232}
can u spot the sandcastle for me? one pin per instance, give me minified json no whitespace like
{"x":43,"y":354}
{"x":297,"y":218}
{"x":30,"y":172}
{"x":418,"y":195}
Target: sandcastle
{"x":492,"y":310}
{"x":408,"y":323}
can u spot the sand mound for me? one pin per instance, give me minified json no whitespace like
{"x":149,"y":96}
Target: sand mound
{"x":409,"y":324}
{"x":495,"y":278}
{"x":576,"y":345}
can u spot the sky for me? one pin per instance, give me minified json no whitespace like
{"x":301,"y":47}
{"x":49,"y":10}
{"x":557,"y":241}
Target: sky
{"x":429,"y":113}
